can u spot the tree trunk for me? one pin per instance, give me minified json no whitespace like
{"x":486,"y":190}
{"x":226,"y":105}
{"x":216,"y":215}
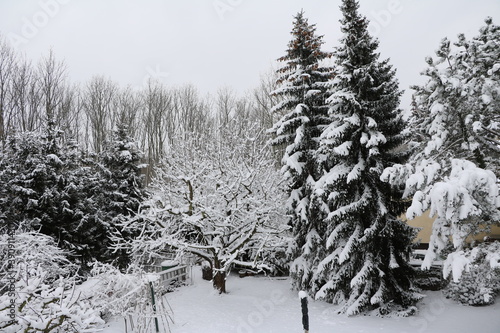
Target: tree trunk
{"x":219,"y":280}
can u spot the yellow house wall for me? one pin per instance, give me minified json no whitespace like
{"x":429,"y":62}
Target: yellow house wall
{"x":424,"y":222}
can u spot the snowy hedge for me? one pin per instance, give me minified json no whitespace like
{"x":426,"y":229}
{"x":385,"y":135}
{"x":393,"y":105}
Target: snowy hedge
{"x":41,"y":284}
{"x":476,"y":274}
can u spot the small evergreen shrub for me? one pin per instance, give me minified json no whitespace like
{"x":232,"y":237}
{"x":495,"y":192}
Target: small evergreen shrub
{"x":480,"y":281}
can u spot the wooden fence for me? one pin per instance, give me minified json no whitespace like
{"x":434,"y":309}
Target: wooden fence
{"x":177,"y":273}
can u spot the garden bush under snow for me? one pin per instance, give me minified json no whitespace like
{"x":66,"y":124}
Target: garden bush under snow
{"x":476,"y":274}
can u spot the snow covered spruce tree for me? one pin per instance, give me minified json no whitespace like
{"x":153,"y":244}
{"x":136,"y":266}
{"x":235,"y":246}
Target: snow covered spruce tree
{"x":301,"y":89}
{"x":368,"y":246}
{"x":454,"y":170}
{"x":122,"y":188}
{"x":220,"y":201}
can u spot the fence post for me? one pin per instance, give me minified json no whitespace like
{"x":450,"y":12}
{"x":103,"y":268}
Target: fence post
{"x":154,"y":306}
{"x":305,"y":315}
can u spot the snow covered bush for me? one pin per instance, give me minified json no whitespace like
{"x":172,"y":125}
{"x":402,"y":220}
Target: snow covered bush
{"x":44,"y":289}
{"x":476,"y":275}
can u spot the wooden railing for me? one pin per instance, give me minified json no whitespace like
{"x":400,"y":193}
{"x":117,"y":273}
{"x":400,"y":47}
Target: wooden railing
{"x":177,"y":273}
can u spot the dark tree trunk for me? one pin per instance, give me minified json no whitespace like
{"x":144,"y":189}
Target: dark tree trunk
{"x":219,"y":280}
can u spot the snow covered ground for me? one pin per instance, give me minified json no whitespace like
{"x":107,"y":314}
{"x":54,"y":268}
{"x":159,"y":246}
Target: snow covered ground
{"x":262,"y":304}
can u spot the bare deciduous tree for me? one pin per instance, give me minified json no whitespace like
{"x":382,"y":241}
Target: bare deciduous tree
{"x":225,"y":106}
{"x":52,"y":82}
{"x":98,"y":100}
{"x":25,"y":98}
{"x":7,"y":64}
{"x":192,"y":113}
{"x":264,"y":100}
{"x":128,"y":110}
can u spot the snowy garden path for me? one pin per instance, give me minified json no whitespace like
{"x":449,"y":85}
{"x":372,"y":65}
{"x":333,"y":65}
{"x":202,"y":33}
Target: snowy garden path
{"x":260,"y":304}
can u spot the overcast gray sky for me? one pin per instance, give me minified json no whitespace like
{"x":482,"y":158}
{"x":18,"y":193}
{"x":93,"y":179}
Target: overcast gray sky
{"x":214,"y":43}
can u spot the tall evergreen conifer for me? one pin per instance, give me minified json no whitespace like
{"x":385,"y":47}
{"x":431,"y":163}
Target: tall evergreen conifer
{"x":302,"y":87}
{"x":366,"y":264}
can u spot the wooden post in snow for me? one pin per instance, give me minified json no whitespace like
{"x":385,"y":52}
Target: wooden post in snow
{"x":154,"y":306}
{"x":305,"y":315}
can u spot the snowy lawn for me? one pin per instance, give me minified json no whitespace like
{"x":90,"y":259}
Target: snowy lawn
{"x":262,"y":304}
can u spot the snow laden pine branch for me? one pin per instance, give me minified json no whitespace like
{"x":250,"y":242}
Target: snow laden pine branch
{"x":464,"y":202}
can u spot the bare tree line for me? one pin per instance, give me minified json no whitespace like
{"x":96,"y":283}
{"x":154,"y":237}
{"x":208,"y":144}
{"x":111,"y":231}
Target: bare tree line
{"x":34,"y":95}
